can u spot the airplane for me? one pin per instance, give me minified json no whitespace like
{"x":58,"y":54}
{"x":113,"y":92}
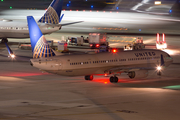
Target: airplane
{"x":135,"y":63}
{"x":48,"y":23}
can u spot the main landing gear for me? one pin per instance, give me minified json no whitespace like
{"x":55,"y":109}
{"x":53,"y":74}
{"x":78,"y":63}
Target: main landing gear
{"x":113,"y":79}
{"x":89,"y":77}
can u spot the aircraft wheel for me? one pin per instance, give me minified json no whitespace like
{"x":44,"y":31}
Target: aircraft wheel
{"x":159,"y":73}
{"x":111,"y":79}
{"x":88,"y":77}
{"x":115,"y":79}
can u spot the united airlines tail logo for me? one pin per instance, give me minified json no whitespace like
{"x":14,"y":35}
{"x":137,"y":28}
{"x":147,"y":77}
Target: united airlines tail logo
{"x":42,"y":49}
{"x":50,"y":16}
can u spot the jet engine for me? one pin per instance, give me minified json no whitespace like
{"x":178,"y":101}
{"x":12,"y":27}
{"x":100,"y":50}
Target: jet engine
{"x":138,"y":74}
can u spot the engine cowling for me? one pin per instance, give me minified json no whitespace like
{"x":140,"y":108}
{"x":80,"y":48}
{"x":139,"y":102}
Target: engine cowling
{"x":138,"y":74}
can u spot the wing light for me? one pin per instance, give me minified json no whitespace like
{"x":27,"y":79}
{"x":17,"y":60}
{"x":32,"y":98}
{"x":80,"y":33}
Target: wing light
{"x":159,"y":68}
{"x":12,"y":56}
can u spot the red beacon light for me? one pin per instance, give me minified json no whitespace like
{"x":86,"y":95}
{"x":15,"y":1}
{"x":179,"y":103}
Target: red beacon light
{"x":114,"y":50}
{"x":97,"y":45}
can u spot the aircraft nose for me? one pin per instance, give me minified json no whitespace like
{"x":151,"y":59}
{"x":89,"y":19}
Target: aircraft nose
{"x":170,"y":60}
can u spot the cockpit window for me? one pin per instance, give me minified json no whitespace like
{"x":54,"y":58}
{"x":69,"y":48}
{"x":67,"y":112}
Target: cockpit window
{"x":168,"y":55}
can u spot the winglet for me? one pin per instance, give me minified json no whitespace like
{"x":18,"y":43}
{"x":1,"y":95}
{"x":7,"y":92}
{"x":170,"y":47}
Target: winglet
{"x":53,"y":13}
{"x":61,"y":18}
{"x":162,"y":60}
{"x":40,"y":46}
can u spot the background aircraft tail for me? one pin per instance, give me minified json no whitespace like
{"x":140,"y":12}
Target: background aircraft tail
{"x":53,"y":13}
{"x":39,"y":45}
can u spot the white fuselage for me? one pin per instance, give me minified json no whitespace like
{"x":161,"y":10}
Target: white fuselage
{"x":15,"y":29}
{"x":92,"y":64}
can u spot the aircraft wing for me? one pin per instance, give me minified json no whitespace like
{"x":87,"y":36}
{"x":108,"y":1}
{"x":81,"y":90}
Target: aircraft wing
{"x":128,"y":69}
{"x":60,"y":25}
{"x":71,"y":23}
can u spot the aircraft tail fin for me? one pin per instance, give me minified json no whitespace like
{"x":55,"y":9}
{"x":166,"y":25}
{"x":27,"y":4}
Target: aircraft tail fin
{"x":53,"y":13}
{"x":39,"y":45}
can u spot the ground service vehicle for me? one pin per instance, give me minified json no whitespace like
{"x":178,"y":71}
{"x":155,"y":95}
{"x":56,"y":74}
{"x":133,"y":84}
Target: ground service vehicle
{"x":161,"y":44}
{"x":75,"y":41}
{"x":137,"y":44}
{"x":97,"y":39}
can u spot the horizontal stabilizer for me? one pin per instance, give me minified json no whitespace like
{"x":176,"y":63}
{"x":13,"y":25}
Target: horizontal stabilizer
{"x":71,"y":23}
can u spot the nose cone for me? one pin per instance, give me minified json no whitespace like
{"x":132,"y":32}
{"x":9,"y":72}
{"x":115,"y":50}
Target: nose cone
{"x":169,"y":60}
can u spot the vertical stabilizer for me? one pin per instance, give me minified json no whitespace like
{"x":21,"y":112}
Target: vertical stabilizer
{"x":53,"y":13}
{"x":39,"y":45}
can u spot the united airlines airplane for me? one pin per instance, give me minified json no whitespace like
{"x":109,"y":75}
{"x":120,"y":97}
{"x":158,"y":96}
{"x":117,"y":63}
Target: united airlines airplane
{"x":135,"y":63}
{"x":48,"y":23}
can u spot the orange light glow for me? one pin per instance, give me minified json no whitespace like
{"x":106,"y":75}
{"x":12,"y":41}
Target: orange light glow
{"x":22,"y":74}
{"x":102,"y":80}
{"x":105,"y":82}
